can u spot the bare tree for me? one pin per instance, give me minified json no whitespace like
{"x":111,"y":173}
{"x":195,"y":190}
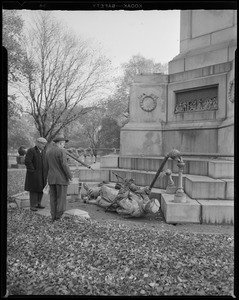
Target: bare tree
{"x":12,"y":27}
{"x":92,"y":128}
{"x":61,"y":73}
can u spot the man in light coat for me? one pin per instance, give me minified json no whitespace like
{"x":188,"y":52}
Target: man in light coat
{"x":36,"y":175}
{"x":59,"y":176}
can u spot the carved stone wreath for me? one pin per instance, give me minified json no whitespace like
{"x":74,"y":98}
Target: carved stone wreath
{"x":148,"y":102}
{"x":231,"y":91}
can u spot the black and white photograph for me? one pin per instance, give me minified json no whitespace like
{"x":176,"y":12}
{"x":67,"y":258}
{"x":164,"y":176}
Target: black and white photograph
{"x":120,"y":143}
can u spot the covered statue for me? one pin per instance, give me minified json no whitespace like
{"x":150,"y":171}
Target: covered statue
{"x":126,"y":198}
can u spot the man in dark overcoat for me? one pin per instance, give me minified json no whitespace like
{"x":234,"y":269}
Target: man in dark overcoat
{"x":36,"y":176}
{"x":59,"y":176}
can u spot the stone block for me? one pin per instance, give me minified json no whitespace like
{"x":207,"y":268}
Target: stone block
{"x":135,"y":142}
{"x":44,"y":212}
{"x":23,"y":203}
{"x":217,"y":211}
{"x":77,"y":213}
{"x":224,"y":35}
{"x":197,"y":42}
{"x":22,"y":199}
{"x":226,"y":139}
{"x":176,"y":66}
{"x":147,"y":93}
{"x":210,"y":21}
{"x":197,"y":167}
{"x":95,"y":176}
{"x":141,"y":163}
{"x":141,"y":178}
{"x":109,"y":161}
{"x":206,"y":59}
{"x":221,"y":169}
{"x":189,"y":212}
{"x":229,"y":189}
{"x":203,"y":187}
{"x":73,"y":188}
{"x":73,"y":198}
{"x":191,"y":140}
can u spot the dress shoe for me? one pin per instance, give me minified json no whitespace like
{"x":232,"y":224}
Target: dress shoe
{"x":39,"y":206}
{"x":33,"y":208}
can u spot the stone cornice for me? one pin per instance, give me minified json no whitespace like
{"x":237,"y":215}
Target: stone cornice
{"x":175,"y":126}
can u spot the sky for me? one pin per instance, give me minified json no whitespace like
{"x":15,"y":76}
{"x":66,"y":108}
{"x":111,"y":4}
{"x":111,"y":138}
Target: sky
{"x":121,"y":34}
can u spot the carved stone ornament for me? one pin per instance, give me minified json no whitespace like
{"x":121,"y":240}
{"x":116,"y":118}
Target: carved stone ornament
{"x":231,"y":92}
{"x":148,"y":102}
{"x":197,"y":105}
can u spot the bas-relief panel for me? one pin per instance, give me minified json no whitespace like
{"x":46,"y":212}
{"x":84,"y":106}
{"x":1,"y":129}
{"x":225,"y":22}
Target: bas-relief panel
{"x":197,"y":100}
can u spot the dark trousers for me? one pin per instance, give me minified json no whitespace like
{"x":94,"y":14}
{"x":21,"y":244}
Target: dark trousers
{"x":35,"y":198}
{"x":57,"y":200}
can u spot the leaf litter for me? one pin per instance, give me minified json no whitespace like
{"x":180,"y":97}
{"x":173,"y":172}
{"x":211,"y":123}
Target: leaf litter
{"x":85,"y":257}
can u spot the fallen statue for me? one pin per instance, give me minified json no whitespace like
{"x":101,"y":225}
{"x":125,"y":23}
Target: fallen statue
{"x":126,"y":198}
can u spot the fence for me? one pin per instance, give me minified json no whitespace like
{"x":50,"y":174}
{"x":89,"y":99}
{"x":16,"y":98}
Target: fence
{"x":12,"y":156}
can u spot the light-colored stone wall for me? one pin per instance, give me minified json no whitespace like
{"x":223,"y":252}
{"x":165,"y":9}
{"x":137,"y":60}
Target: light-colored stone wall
{"x":140,"y":142}
{"x":148,"y":92}
{"x":206,"y":61}
{"x":156,"y":143}
{"x":192,"y":141}
{"x":226,"y":139}
{"x":201,"y":28}
{"x":207,"y":37}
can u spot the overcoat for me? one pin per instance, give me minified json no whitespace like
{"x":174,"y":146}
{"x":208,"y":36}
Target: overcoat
{"x":36,"y":176}
{"x":57,"y":166}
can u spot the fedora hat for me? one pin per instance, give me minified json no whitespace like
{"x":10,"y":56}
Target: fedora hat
{"x":60,"y":138}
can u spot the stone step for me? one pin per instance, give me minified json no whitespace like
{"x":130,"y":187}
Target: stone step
{"x":215,"y":168}
{"x":197,"y":211}
{"x":141,"y":178}
{"x":195,"y":186}
{"x":217,"y":212}
{"x":90,"y":175}
{"x":204,"y":187}
{"x":221,"y":169}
